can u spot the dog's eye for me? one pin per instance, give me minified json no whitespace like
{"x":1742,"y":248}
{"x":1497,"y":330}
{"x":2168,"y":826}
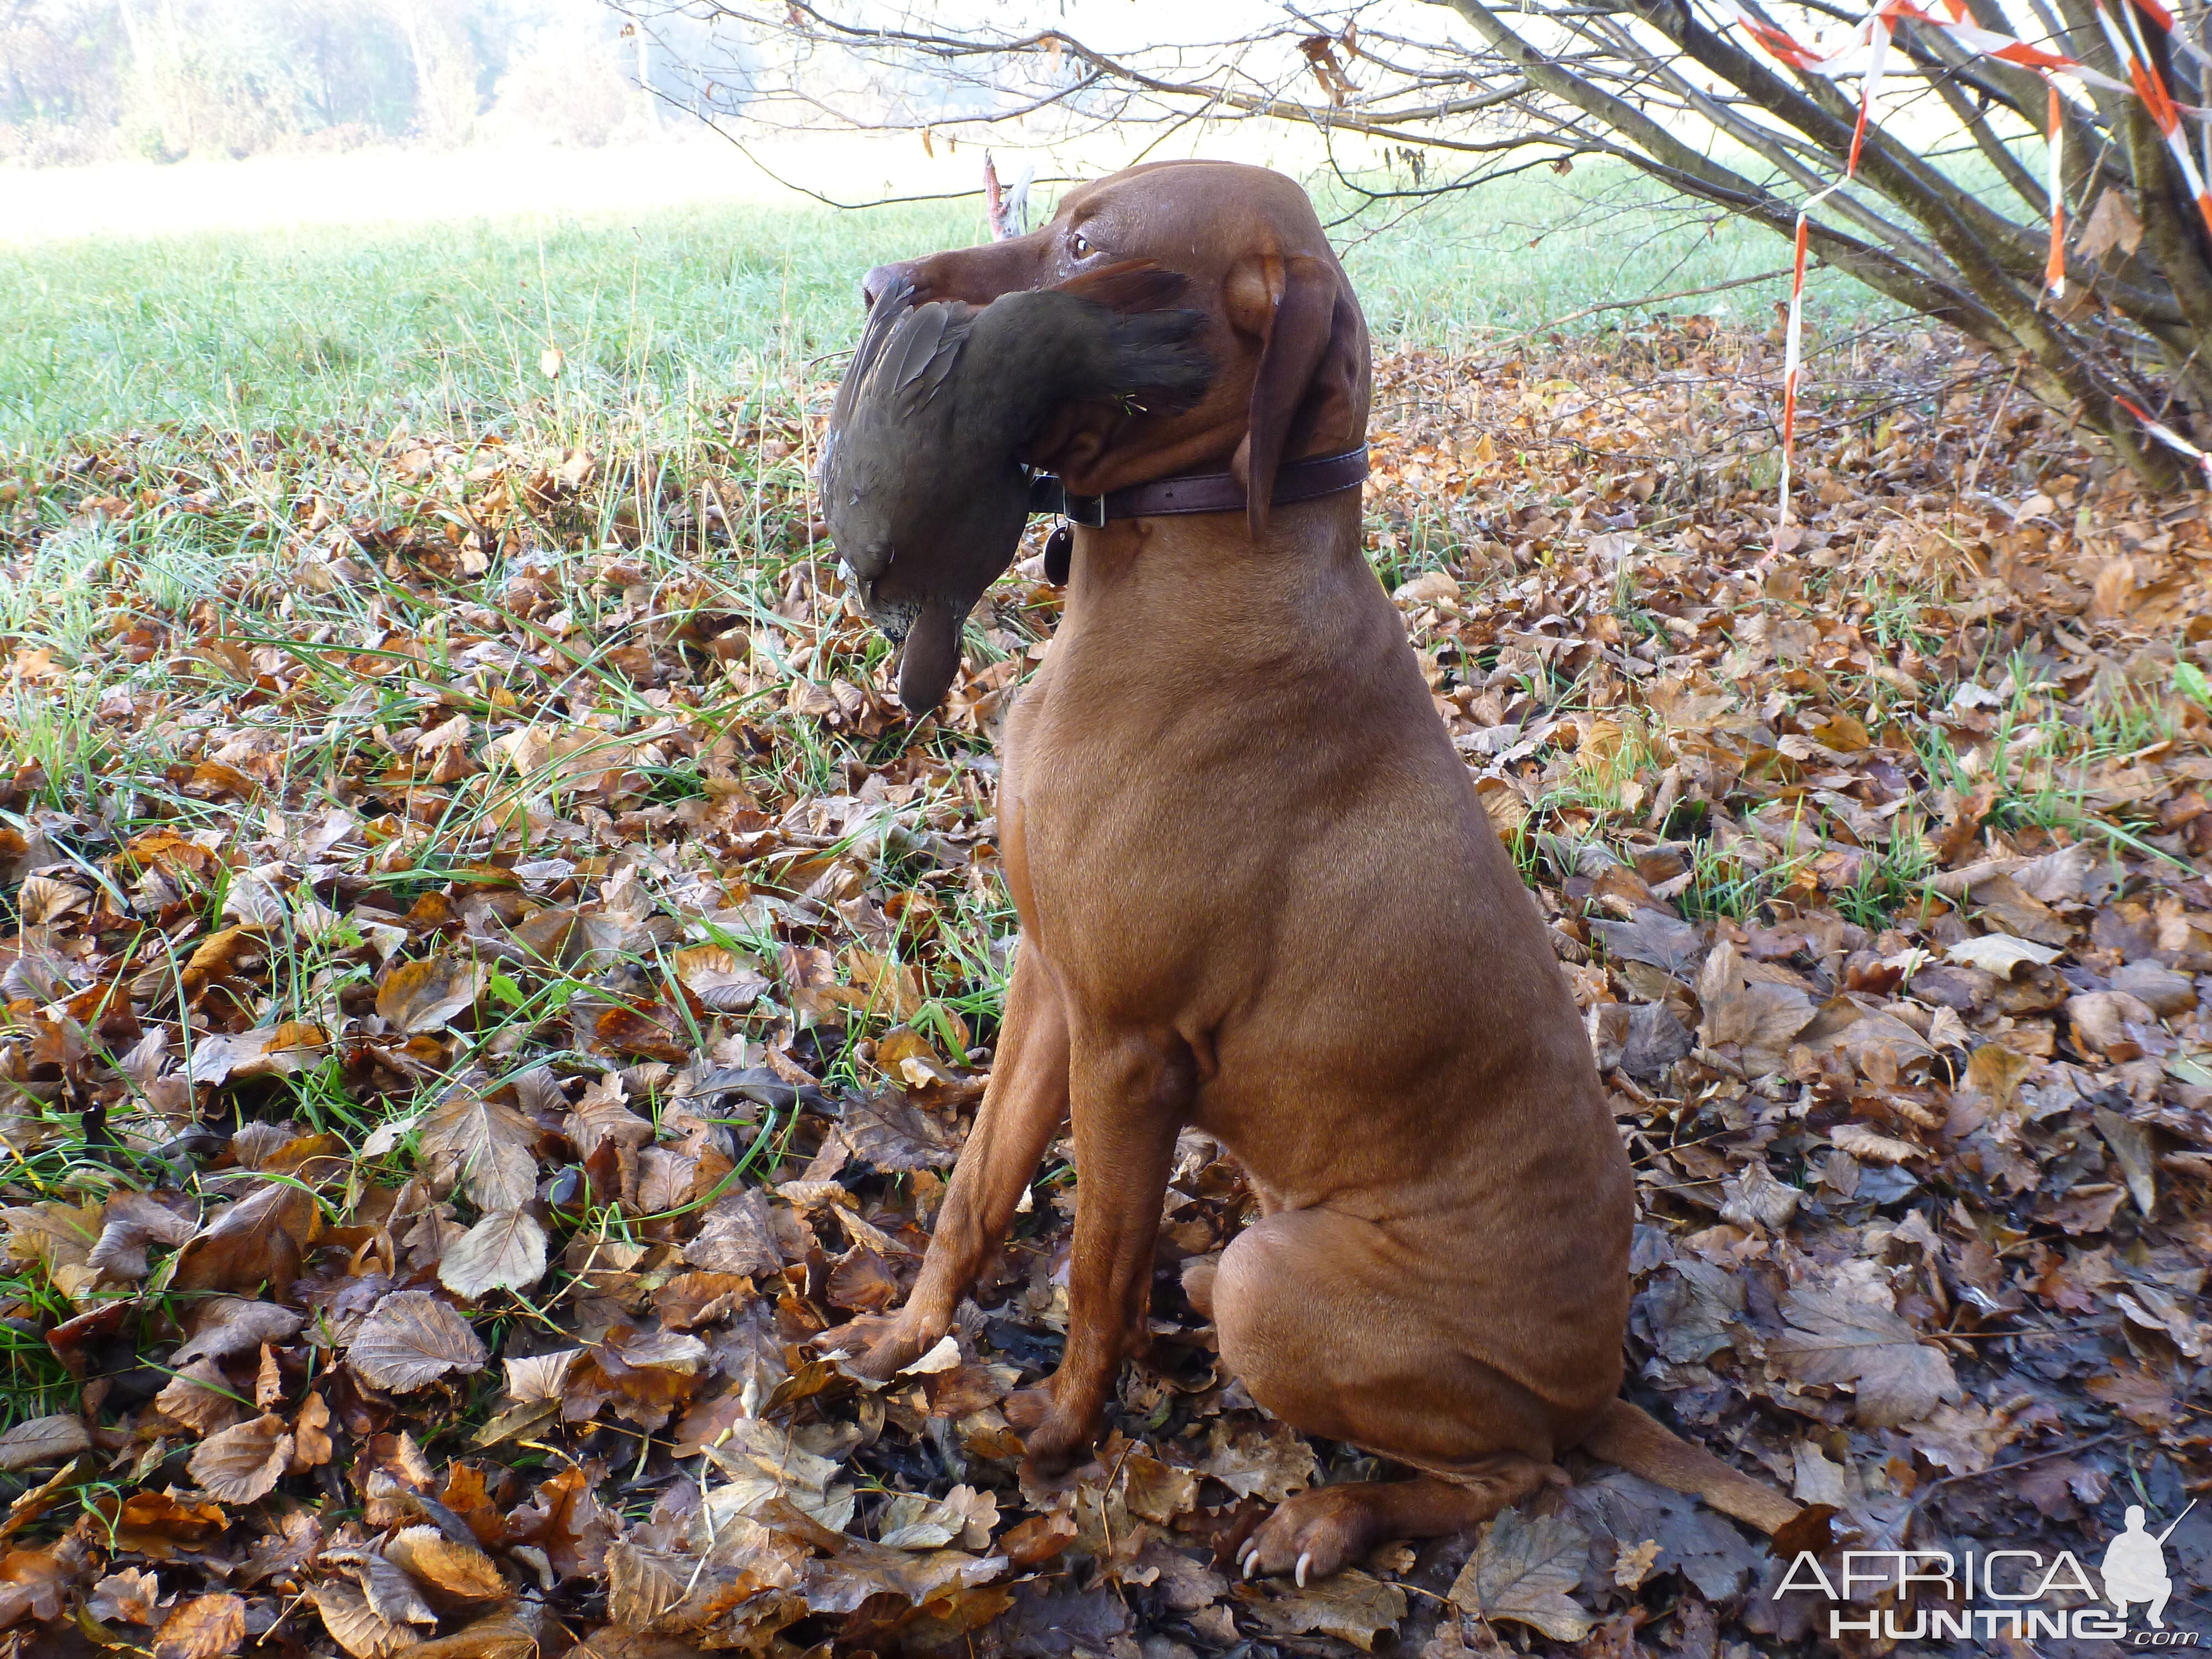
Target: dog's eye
{"x":1082,"y":246}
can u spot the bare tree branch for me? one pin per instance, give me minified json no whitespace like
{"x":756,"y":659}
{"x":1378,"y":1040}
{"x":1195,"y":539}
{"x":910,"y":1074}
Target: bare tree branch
{"x":1696,"y":108}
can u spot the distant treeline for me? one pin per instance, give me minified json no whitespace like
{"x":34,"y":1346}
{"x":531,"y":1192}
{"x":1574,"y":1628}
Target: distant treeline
{"x":96,"y":80}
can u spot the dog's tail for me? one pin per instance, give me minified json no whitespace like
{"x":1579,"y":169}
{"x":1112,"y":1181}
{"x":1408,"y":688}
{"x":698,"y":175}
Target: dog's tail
{"x":1641,"y":1444}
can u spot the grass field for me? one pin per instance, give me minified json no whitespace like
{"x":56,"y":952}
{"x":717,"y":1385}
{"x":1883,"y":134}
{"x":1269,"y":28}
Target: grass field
{"x":672,"y":308}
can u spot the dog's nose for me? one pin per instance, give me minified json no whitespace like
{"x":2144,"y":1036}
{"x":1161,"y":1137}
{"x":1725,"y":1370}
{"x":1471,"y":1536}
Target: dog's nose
{"x":874,"y":284}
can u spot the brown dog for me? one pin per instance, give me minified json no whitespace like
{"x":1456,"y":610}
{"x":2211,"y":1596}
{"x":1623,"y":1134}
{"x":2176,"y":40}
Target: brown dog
{"x":1259,"y":896}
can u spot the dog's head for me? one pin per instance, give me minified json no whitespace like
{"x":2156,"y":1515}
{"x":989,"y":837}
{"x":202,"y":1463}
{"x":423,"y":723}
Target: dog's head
{"x":1283,"y":329}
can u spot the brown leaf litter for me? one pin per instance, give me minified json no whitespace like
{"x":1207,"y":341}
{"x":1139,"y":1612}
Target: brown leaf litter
{"x":433,"y":1158}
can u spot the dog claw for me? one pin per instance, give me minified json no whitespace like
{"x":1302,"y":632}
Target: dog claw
{"x":1305,"y":1560}
{"x":1250,"y":1564}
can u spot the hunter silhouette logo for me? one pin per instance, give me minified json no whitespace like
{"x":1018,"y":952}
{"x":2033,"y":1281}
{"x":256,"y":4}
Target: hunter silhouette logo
{"x":2001,"y":1595}
{"x":2135,"y":1566}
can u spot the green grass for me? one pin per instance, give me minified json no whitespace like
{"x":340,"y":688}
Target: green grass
{"x":444,"y":325}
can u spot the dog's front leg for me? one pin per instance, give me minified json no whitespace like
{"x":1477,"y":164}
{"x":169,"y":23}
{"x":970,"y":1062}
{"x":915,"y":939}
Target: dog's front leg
{"x":1131,"y":1097}
{"x":1023,"y":1109}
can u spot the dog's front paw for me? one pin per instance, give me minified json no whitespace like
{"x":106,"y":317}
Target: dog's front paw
{"x":878,"y":1346}
{"x":1058,"y":1439}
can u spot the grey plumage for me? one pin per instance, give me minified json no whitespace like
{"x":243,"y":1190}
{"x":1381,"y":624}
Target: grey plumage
{"x":919,"y":482}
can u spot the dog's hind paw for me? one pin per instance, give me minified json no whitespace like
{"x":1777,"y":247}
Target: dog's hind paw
{"x":1313,"y":1534}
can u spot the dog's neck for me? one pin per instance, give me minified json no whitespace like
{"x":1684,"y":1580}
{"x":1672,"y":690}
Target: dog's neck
{"x":1208,"y":608}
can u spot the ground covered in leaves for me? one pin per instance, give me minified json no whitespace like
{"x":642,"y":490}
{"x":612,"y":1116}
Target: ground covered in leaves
{"x":490,"y":977}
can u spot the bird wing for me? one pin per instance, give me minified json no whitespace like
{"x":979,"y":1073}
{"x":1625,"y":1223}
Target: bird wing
{"x":922,"y":354}
{"x":890,"y":309}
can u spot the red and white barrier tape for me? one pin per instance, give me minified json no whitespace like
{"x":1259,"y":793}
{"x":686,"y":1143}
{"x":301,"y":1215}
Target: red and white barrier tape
{"x":2167,"y":435}
{"x":1868,"y":55}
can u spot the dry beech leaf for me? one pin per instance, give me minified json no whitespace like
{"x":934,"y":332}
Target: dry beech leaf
{"x":205,"y":1627}
{"x":484,"y":1147}
{"x":392,"y":1596}
{"x":2000,"y":954}
{"x":1350,"y":1605}
{"x":503,"y":1635}
{"x":413,"y":1339}
{"x":665,"y":1179}
{"x":629,"y":1031}
{"x":42,"y":899}
{"x":1523,"y":1571}
{"x":504,"y":1251}
{"x":250,"y":1241}
{"x":418,"y":997}
{"x":242,"y":1463}
{"x":457,"y":1573}
{"x":1831,"y":1339}
{"x":1253,"y":1464}
{"x":1871,"y":1145}
{"x":311,"y":1441}
{"x":129,"y":1596}
{"x":268,"y":1051}
{"x":1998,"y":1072}
{"x":2111,"y":224}
{"x":43,"y":1440}
{"x":133,"y":1220}
{"x":538,"y":1376}
{"x":356,"y":1626}
{"x":225,"y":1325}
{"x":693,"y":1299}
{"x":719,"y":977}
{"x":200,"y":1398}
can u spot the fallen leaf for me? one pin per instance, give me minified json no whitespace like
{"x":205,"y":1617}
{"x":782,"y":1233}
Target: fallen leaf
{"x":130,"y":1595}
{"x":1522,"y":1571}
{"x":1833,"y":1340}
{"x":719,"y":977}
{"x":1350,"y":1605}
{"x":504,"y":1251}
{"x":484,"y":1147}
{"x":205,"y":1627}
{"x":356,"y":1626}
{"x":225,"y":1325}
{"x":244,"y":1462}
{"x":457,"y":1573}
{"x":199,"y":1397}
{"x":1871,"y":1145}
{"x":412,"y":1339}
{"x":43,"y":1440}
{"x":2000,"y":954}
{"x":1255,"y":1464}
{"x":132,"y":1221}
{"x":418,"y":997}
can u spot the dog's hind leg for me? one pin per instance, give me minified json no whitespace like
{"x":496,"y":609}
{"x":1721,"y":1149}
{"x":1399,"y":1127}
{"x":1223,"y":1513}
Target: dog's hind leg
{"x":1023,"y":1109}
{"x":1320,"y":1318}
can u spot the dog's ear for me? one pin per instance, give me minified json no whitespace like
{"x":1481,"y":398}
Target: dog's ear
{"x":1312,"y":375}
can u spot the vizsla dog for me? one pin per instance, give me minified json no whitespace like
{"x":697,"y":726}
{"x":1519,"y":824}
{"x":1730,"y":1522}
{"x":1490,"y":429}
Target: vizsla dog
{"x":1259,"y":896}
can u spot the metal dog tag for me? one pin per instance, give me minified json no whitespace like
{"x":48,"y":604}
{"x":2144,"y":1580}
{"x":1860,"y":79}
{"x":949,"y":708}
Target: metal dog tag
{"x":1059,"y":551}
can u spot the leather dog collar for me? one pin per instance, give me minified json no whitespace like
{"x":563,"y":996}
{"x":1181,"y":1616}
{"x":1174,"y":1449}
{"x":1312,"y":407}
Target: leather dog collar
{"x":1197,"y":492}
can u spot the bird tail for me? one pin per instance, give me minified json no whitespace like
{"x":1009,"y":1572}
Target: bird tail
{"x":1129,"y":285}
{"x":1153,"y":349}
{"x":1641,"y":1444}
{"x":1158,"y":353}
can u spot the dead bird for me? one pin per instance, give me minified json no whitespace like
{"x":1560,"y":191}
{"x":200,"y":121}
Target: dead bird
{"x":920,"y":481}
